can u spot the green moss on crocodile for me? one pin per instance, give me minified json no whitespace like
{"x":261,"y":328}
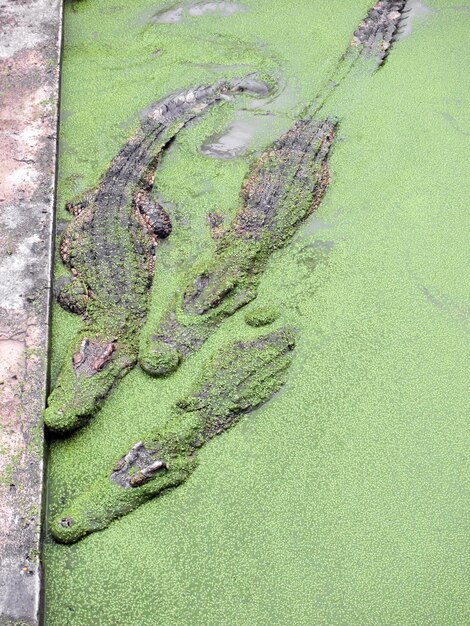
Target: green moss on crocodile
{"x":262,"y":316}
{"x":109,"y":247}
{"x":158,"y":362}
{"x":285,"y":186}
{"x":238,"y":379}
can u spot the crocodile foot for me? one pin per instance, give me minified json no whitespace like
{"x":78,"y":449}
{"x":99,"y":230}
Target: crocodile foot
{"x":155,"y":217}
{"x":72,"y":295}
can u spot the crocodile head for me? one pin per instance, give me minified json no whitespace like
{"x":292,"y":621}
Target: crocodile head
{"x":127,"y":486}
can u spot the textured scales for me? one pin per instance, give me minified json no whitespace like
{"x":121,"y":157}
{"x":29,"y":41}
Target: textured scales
{"x":239,"y":378}
{"x":284,"y":187}
{"x":286,"y":184}
{"x":109,"y":248}
{"x":376,"y":33}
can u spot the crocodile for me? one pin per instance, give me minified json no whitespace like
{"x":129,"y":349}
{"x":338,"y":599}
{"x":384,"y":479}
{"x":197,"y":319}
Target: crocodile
{"x":287,"y":183}
{"x":284,"y":186}
{"x":374,"y":36}
{"x":238,"y":379}
{"x":109,"y":247}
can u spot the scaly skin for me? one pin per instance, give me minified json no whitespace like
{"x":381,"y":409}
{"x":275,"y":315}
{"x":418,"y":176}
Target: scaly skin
{"x":285,"y":186}
{"x":240,"y":378}
{"x":109,"y":248}
{"x":376,"y":33}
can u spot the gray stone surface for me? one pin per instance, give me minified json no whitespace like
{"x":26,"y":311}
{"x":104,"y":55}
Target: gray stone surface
{"x":30,"y":35}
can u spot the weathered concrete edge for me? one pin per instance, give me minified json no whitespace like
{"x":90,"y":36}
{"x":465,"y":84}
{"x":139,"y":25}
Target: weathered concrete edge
{"x":30,"y":52}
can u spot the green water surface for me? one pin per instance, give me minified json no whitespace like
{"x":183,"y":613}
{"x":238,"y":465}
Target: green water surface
{"x":344,"y":500}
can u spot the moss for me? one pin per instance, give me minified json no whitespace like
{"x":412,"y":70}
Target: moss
{"x":36,"y":442}
{"x":107,"y":246}
{"x":158,"y":358}
{"x":76,"y":398}
{"x":294,"y":170}
{"x":73,"y":297}
{"x":8,"y":472}
{"x":262,"y":316}
{"x":106,"y":501}
{"x":109,"y":249}
{"x":340,"y":501}
{"x":241,"y":377}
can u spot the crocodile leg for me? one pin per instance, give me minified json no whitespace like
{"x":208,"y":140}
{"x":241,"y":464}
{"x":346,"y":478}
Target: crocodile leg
{"x":73,"y":295}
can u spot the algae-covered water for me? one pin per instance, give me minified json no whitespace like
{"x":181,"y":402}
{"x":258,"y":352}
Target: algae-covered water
{"x":344,"y":500}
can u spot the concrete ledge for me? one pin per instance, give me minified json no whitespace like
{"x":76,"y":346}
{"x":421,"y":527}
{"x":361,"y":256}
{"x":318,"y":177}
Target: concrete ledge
{"x":30,"y":38}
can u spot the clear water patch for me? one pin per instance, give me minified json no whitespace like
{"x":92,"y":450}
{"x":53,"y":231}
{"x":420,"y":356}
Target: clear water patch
{"x":180,"y":12}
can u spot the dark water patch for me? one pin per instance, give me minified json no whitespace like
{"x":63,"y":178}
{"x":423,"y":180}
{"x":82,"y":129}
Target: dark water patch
{"x":111,"y":9}
{"x":219,"y":67}
{"x":60,"y":226}
{"x":162,"y":201}
{"x":64,"y":146}
{"x":283,"y":100}
{"x":66,"y":114}
{"x":314,"y":225}
{"x":311,"y":255}
{"x":458,"y":311}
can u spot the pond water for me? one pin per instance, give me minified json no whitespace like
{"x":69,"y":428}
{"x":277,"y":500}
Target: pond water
{"x":197,"y":9}
{"x":236,"y":138}
{"x":416,"y":11}
{"x":342,"y":500}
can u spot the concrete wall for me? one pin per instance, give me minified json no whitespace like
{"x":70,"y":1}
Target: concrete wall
{"x":30,"y":37}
